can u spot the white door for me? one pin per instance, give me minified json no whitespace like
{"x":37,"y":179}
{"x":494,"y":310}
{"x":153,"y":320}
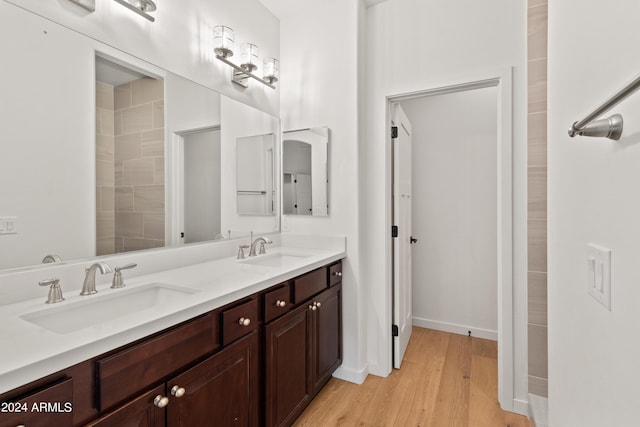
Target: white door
{"x":401,"y":244}
{"x":303,"y":194}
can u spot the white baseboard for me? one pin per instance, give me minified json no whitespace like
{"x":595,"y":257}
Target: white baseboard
{"x":456,"y":329}
{"x":356,"y":376}
{"x":538,"y":411}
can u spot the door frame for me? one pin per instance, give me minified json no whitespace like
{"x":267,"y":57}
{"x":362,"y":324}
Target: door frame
{"x":174,"y":182}
{"x":502,"y":80}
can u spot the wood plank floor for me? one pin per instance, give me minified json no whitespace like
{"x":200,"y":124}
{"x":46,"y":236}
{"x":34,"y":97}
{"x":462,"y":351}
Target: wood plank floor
{"x":446,"y":380}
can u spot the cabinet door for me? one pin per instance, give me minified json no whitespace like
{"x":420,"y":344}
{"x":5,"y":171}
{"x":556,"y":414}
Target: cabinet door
{"x":327,"y":336}
{"x":287,"y":366}
{"x":44,"y":408}
{"x":223,"y":390}
{"x":140,"y":412}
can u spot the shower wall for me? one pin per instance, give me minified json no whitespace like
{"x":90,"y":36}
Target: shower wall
{"x":537,"y":195}
{"x":139,"y":165}
{"x":105,"y":188}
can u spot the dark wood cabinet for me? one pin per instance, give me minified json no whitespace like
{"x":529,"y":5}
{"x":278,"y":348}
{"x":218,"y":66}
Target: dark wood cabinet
{"x":257,"y":361}
{"x":302,"y":349}
{"x":223,"y":390}
{"x":287,"y":366}
{"x":326,"y":337}
{"x":140,"y":412}
{"x":49,"y":406}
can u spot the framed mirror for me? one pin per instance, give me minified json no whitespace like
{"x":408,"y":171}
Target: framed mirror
{"x":99,"y":166}
{"x":305,"y":182}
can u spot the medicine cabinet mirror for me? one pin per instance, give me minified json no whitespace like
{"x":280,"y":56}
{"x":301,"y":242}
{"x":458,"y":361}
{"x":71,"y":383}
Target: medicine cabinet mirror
{"x":305,"y":172}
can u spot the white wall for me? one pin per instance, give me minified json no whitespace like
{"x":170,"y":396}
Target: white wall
{"x":47,"y":112}
{"x":181,"y":38}
{"x":593,"y":188}
{"x":202,"y":186}
{"x":415,"y":45}
{"x":320,"y":88}
{"x":454,"y":211}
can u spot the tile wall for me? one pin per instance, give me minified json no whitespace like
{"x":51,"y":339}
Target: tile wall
{"x":105,"y":188}
{"x":139,"y":165}
{"x":537,"y":195}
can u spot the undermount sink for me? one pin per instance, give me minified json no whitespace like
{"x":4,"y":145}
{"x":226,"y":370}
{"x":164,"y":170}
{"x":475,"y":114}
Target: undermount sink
{"x":95,"y":310}
{"x":274,"y":260}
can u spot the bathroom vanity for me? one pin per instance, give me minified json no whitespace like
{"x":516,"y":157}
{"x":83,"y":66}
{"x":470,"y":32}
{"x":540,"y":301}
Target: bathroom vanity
{"x":256,"y":360}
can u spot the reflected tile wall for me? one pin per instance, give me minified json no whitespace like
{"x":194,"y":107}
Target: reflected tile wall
{"x":105,"y":189}
{"x":138,"y":152}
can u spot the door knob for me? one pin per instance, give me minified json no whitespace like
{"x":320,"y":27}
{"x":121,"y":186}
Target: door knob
{"x":412,"y":240}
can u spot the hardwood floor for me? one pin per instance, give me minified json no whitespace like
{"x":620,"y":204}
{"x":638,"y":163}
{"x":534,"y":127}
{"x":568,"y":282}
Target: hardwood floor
{"x":446,"y":380}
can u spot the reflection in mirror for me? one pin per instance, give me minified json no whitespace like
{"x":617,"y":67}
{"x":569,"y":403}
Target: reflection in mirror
{"x":202,"y":186}
{"x":77,"y":189}
{"x":305,"y":171}
{"x":130,"y":193}
{"x":254,"y":175}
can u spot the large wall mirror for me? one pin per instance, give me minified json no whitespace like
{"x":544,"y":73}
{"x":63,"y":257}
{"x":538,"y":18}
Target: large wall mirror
{"x":305,"y":172}
{"x":105,"y":153}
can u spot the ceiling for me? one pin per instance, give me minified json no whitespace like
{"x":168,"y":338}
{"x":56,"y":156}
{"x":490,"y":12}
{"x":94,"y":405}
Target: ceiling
{"x":282,"y":8}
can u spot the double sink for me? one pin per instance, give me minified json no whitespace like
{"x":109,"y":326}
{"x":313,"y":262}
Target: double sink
{"x":93,"y":311}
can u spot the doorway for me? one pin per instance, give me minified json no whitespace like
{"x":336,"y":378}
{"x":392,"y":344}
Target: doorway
{"x":502,"y":218}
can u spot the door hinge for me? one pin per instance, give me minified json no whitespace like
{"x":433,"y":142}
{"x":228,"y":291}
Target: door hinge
{"x":394,"y":330}
{"x":394,"y":231}
{"x":394,"y":132}
{"x":182,"y":235}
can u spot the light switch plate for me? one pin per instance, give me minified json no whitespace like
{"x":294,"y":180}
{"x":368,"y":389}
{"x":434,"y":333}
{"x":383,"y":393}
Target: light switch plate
{"x":8,"y":225}
{"x":599,"y":274}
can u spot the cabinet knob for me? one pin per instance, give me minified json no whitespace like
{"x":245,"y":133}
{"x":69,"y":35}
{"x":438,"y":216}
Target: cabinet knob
{"x":161,"y":401}
{"x":281,"y":303}
{"x":313,"y":307}
{"x":244,"y":321}
{"x":178,"y":391}
{"x":318,"y":304}
{"x":337,"y":273}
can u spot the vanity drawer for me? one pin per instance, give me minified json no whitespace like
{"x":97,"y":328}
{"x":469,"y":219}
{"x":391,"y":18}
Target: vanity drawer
{"x":141,"y":365}
{"x":309,"y":284}
{"x":277,"y":302}
{"x":58,"y":409}
{"x":335,"y":274}
{"x":239,"y":321}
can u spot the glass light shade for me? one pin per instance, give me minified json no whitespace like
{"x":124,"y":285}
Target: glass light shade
{"x":249,"y":57}
{"x":271,"y":70}
{"x":143,"y":5}
{"x":223,"y":41}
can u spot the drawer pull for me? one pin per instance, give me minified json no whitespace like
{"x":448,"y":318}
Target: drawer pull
{"x":161,"y":401}
{"x":281,"y":303}
{"x":244,"y":321}
{"x":178,"y":391}
{"x":337,"y":273}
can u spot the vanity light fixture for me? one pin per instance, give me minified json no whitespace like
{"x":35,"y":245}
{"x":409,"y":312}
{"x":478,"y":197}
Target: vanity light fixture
{"x":223,"y":48}
{"x":271,"y":70}
{"x":141,"y":7}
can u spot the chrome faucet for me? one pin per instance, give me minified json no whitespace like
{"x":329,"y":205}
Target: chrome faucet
{"x":262,"y":241}
{"x":89,"y":285}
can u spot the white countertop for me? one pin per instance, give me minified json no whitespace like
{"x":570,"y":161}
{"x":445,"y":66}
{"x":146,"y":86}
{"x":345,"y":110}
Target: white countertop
{"x":29,"y":352}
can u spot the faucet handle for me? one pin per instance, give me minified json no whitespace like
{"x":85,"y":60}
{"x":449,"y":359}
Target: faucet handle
{"x":241,"y":249}
{"x":117,"y":276}
{"x":262,"y":243}
{"x":55,"y":292}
